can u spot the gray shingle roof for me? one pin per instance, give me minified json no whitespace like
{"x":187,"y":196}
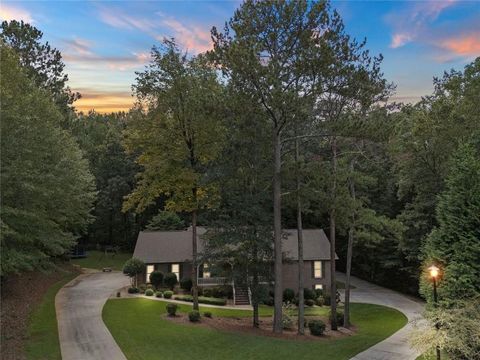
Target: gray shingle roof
{"x":176,"y":246}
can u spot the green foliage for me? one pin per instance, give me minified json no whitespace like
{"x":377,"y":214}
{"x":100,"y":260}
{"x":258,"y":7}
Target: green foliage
{"x":133,"y":290}
{"x":309,"y":302}
{"x":171,"y":309}
{"x":41,"y":63}
{"x":194,"y":316}
{"x":202,"y":300}
{"x":132,"y":268}
{"x":340,"y":317}
{"x":288,"y":295}
{"x":168,"y":294}
{"x":287,"y":322}
{"x":149,"y":292}
{"x":309,"y":294}
{"x":186,"y":284}
{"x":165,"y":220}
{"x":170,"y":280}
{"x":317,"y":327}
{"x":156,"y":278}
{"x":159,"y":294}
{"x":320,"y":301}
{"x":47,"y":189}
{"x":455,"y":243}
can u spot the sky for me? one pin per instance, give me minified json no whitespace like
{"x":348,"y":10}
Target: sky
{"x":103,"y":43}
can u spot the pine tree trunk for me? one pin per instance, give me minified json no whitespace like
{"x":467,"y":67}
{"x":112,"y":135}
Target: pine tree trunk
{"x":194,"y":260}
{"x":277,"y":226}
{"x":333,"y":285}
{"x":301,"y":300}
{"x":346,"y":316}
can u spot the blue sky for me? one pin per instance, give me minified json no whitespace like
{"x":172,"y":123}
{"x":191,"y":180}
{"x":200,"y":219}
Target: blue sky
{"x":104,"y":42}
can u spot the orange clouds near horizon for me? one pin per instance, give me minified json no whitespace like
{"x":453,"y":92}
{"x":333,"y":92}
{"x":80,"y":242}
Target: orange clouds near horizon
{"x":467,"y":45}
{"x":104,"y":102}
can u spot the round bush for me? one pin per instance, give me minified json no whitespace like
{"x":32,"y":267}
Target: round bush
{"x":168,"y":294}
{"x":288,"y":295}
{"x":287,"y":322}
{"x":308,"y":294}
{"x":208,"y":292}
{"x":320,"y":301}
{"x":309,"y":302}
{"x":186,"y":284}
{"x":133,"y":290}
{"x":194,"y":316}
{"x":156,"y":278}
{"x":207,"y":314}
{"x":318,"y":292}
{"x":142,"y":288}
{"x":149,"y":292}
{"x":340,"y":318}
{"x":170,"y":280}
{"x":171,"y":309}
{"x":327,"y":299}
{"x":159,"y":294}
{"x":317,"y":327}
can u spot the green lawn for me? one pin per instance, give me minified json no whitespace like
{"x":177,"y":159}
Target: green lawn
{"x":42,"y":342}
{"x":98,"y":260}
{"x":139,"y":329}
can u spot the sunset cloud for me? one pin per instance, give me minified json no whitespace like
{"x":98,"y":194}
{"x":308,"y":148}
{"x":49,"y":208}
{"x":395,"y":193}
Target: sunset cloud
{"x":104,"y":101}
{"x":464,"y":45}
{"x":89,"y":60}
{"x":9,"y":13}
{"x":413,"y":22}
{"x":191,"y":37}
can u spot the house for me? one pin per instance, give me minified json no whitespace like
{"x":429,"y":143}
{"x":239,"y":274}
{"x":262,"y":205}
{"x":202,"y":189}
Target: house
{"x":171,"y":251}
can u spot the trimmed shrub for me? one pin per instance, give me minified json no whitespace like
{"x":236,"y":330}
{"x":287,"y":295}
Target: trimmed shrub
{"x":156,"y":278}
{"x":186,"y":284}
{"x":202,"y":300}
{"x":309,"y":294}
{"x":170,"y":280}
{"x":207,"y":292}
{"x":194,"y":316}
{"x":287,"y":322}
{"x":142,"y":288}
{"x":149,"y":292}
{"x":320,"y":301}
{"x":222,"y":292}
{"x":158,"y":294}
{"x":288,"y":295}
{"x":309,"y":302}
{"x":133,"y":290}
{"x":171,"y":309}
{"x":318,"y":293}
{"x":207,"y":314}
{"x":340,"y":318}
{"x":317,"y":327}
{"x":327,"y":299}
{"x":168,"y":294}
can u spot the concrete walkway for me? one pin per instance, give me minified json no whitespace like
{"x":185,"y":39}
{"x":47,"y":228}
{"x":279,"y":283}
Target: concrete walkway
{"x":82,"y":333}
{"x":396,"y":347}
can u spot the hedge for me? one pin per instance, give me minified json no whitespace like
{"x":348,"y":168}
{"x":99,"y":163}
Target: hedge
{"x":202,"y":300}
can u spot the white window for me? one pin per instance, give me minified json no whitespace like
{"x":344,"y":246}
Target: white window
{"x":176,"y":270}
{"x":317,"y":269}
{"x":206,"y":273}
{"x":318,"y":287}
{"x":150,"y":269}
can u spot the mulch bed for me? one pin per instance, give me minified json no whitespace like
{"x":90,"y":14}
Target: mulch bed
{"x":244,"y":325}
{"x":20,"y":294}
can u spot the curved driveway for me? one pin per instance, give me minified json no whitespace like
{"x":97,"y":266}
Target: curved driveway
{"x":396,"y":347}
{"x":82,"y":333}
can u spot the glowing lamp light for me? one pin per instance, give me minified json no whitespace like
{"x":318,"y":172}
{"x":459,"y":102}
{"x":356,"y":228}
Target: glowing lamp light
{"x":433,"y":271}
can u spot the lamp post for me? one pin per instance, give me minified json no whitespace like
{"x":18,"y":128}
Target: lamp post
{"x":434,"y":275}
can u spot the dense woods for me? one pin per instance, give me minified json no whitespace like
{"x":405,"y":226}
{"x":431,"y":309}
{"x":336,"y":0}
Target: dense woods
{"x":285,"y":123}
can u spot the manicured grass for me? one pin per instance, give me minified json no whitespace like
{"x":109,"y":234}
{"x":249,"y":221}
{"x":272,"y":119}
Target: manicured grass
{"x":138,"y":327}
{"x":98,"y":260}
{"x":42,"y":343}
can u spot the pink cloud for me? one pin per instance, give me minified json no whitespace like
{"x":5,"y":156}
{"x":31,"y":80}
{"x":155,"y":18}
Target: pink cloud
{"x":120,"y":20}
{"x":193,"y":38}
{"x":119,"y":63}
{"x":412,"y":23}
{"x":9,"y":13}
{"x":467,"y":45}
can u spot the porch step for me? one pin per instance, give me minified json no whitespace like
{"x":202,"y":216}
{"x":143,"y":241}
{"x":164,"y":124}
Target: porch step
{"x":241,"y":296}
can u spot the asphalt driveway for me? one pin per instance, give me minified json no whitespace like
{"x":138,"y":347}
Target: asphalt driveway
{"x":396,"y":347}
{"x":82,"y":333}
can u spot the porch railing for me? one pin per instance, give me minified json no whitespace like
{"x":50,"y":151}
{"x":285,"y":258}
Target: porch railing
{"x":214,"y":281}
